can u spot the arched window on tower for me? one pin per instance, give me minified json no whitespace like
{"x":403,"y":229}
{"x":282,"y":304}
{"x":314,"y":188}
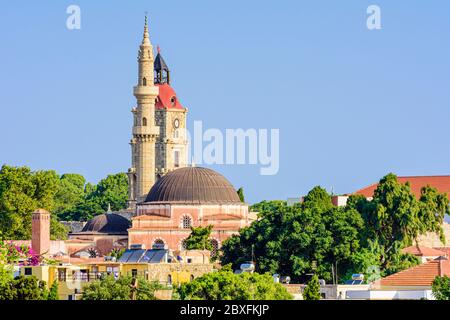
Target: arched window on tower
{"x":144,"y":81}
{"x":186,"y":222}
{"x":176,"y":158}
{"x":144,"y":122}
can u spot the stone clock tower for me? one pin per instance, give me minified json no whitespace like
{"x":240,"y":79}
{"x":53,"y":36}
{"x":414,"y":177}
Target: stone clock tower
{"x":159,"y":142}
{"x":171,"y":145}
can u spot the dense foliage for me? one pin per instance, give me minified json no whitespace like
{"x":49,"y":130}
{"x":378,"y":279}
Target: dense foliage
{"x":225,"y":285}
{"x":199,"y":239}
{"x":362,"y":237}
{"x":441,"y":288}
{"x":312,"y":289}
{"x":108,"y":288}
{"x":240,"y":193}
{"x":25,"y":288}
{"x":67,"y":197}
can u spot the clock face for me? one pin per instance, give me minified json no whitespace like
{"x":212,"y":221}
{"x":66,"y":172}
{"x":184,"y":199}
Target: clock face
{"x":176,"y":123}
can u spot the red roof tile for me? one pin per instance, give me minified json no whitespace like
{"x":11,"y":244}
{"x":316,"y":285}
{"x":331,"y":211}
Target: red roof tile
{"x":424,"y":251}
{"x":167,"y":98}
{"x":421,"y":275}
{"x":441,"y":183}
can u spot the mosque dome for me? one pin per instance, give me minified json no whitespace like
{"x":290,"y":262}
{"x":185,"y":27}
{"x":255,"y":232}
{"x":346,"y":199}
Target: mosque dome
{"x":109,"y":223}
{"x":193,"y":185}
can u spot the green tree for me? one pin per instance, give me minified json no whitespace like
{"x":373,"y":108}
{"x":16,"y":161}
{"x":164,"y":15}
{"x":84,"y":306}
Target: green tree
{"x":109,"y":288}
{"x":27,"y":288}
{"x":288,"y":239}
{"x":312,"y":289}
{"x":225,"y":285}
{"x":113,"y":190}
{"x":394,"y":219}
{"x":240,"y":193}
{"x":6,"y":279}
{"x":70,"y":193}
{"x":362,"y":237}
{"x":21,"y":192}
{"x":53,"y":292}
{"x":199,"y":239}
{"x":441,"y":288}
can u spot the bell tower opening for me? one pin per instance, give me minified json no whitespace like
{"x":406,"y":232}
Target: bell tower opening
{"x":162,"y":73}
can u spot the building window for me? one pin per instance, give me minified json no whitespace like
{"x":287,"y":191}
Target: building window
{"x":134,"y":273}
{"x":173,"y":101}
{"x":215,"y":245}
{"x":144,"y":81}
{"x":144,"y":122}
{"x":62,"y":275}
{"x":186,"y":222}
{"x":159,"y":243}
{"x":183,"y":245}
{"x":28,"y":271}
{"x":176,"y":159}
{"x":192,"y":277}
{"x":169,"y":279}
{"x":176,"y":134}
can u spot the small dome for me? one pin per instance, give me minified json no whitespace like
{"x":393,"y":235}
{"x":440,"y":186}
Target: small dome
{"x":167,"y":98}
{"x":107,"y":223}
{"x":193,"y":185}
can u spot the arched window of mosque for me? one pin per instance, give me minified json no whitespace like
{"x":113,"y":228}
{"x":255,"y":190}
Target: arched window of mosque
{"x":158,"y":242}
{"x":144,"y":81}
{"x":215,"y":245}
{"x":144,"y":122}
{"x":186,"y":222}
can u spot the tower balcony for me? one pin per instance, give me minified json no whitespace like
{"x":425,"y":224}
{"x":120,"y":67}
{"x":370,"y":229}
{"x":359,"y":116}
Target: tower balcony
{"x":146,"y":91}
{"x":146,"y":130}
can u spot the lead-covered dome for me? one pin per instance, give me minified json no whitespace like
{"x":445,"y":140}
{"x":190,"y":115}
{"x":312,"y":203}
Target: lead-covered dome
{"x":193,"y":185}
{"x":109,"y":223}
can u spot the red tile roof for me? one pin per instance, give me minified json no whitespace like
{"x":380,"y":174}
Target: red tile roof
{"x":441,"y":183}
{"x":167,"y":98}
{"x":424,"y":251}
{"x":421,"y":275}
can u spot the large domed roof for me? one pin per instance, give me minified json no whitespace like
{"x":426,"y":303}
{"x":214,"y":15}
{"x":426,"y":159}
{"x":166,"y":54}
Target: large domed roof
{"x":193,"y":185}
{"x":110,"y":223}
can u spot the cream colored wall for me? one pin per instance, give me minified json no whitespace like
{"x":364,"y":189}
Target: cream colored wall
{"x":432,"y":239}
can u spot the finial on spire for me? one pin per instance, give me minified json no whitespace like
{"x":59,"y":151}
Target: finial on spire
{"x":146,"y":39}
{"x":158,"y":49}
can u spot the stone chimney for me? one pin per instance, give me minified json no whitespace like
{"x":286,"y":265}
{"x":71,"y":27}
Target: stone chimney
{"x":40,"y":236}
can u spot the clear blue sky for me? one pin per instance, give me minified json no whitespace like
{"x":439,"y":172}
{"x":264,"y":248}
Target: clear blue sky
{"x":351,"y":104}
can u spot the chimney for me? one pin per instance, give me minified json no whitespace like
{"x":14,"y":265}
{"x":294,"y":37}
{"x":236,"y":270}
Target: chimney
{"x":40,"y":234}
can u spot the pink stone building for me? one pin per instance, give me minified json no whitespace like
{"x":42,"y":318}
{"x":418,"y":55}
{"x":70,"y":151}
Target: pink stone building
{"x":191,"y":196}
